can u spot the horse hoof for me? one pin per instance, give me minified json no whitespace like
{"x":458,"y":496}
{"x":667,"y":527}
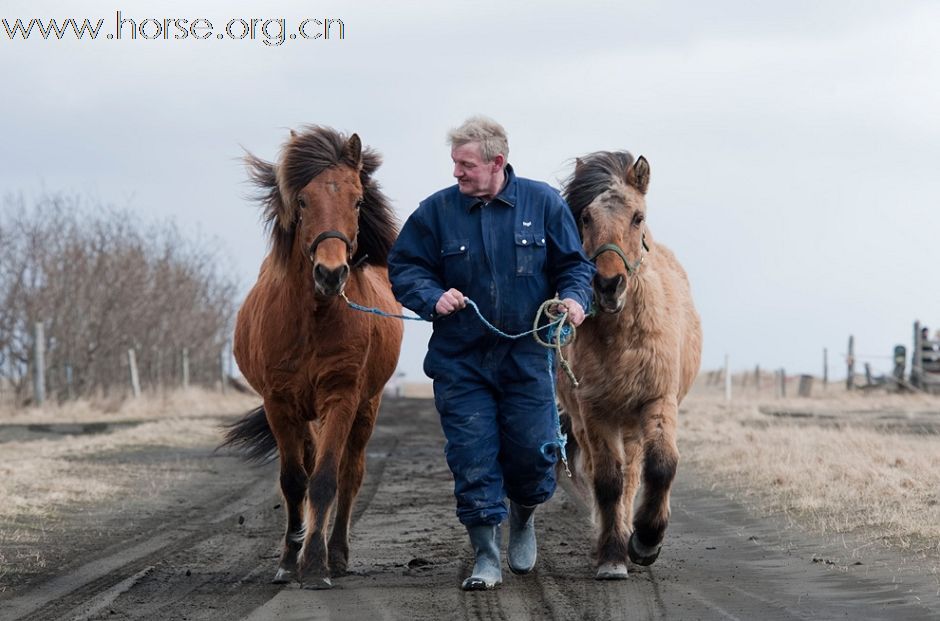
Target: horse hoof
{"x":318,"y":584}
{"x":641,"y":554}
{"x":611,"y":571}
{"x":283,"y":576}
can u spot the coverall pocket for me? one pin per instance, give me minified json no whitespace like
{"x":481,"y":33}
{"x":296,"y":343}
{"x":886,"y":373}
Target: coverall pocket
{"x":455,"y":256}
{"x":530,"y":252}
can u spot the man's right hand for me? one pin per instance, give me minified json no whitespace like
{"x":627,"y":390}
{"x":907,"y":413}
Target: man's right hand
{"x":451,"y":301}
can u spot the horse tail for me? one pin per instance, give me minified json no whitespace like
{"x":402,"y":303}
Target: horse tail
{"x":251,"y":436}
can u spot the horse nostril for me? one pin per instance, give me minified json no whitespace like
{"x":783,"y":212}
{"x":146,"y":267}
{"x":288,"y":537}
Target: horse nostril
{"x":608,"y":286}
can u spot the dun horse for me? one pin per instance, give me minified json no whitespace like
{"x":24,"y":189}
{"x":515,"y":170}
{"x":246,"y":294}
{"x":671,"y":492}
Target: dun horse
{"x":635,"y":360}
{"x":319,"y":366}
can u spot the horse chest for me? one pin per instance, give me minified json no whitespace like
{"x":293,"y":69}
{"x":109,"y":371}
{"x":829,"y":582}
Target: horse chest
{"x":617,"y":380}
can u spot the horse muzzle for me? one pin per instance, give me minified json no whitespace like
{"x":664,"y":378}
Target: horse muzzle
{"x":610,"y":293}
{"x":330,"y":282}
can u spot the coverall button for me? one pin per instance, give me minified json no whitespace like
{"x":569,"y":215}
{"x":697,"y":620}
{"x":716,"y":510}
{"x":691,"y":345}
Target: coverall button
{"x":462,"y":248}
{"x":524,"y":242}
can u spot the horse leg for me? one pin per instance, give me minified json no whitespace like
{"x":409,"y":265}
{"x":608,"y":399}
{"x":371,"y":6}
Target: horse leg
{"x":352,"y":470}
{"x":321,"y":492}
{"x":293,"y":479}
{"x":607,"y":459}
{"x":660,"y":459}
{"x":633,"y":459}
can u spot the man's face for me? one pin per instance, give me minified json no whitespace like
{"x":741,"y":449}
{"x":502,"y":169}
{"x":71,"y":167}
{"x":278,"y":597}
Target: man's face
{"x":476,"y":177}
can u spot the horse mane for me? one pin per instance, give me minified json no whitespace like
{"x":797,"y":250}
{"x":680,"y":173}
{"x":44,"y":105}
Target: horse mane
{"x":593,"y":175}
{"x":307,"y":154}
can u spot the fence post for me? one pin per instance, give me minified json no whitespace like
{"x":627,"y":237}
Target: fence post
{"x":825,"y":367}
{"x":757,"y":378}
{"x":39,"y":364}
{"x":850,"y":362}
{"x":806,"y":385}
{"x":783,"y":383}
{"x":727,"y":378}
{"x":900,"y":358}
{"x":157,"y":367}
{"x":135,"y":377}
{"x":917,"y":358}
{"x":69,"y":378}
{"x":222,"y":369}
{"x":185,"y":368}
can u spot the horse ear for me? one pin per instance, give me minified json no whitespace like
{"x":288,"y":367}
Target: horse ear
{"x":639,"y":175}
{"x":352,"y":152}
{"x":578,"y":165}
{"x":293,"y":134}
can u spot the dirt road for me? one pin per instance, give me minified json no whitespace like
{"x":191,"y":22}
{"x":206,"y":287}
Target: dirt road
{"x":209,"y":549}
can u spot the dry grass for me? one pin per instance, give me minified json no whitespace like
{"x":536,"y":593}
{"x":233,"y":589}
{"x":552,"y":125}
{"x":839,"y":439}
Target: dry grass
{"x":171,"y":404}
{"x":852,"y":478}
{"x":41,"y":477}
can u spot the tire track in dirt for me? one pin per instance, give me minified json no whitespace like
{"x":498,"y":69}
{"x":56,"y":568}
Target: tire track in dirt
{"x":232,"y":571}
{"x":70,"y":591}
{"x":195,"y":562}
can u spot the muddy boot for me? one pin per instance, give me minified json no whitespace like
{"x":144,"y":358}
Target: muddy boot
{"x":522,"y":548}
{"x":486,"y":573}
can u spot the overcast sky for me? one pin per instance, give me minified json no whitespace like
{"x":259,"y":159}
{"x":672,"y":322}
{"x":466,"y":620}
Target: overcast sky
{"x":794,"y":147}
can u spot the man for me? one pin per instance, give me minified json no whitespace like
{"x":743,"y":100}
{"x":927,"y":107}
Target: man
{"x":508,"y":244}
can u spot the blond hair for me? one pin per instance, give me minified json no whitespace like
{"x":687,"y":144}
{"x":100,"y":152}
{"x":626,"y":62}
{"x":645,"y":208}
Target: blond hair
{"x":484,"y":131}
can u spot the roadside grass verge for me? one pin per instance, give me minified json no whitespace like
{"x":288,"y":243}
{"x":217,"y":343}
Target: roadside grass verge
{"x":847,"y":477}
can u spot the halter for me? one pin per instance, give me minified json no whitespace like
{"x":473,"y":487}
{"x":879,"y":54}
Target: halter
{"x":631,"y":268}
{"x":328,"y":235}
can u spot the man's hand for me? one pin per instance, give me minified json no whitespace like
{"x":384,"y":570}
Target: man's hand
{"x":453,"y":300}
{"x":575,"y":311}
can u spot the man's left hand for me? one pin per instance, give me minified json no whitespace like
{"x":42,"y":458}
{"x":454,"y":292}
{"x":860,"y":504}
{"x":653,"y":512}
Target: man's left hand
{"x":575,"y":311}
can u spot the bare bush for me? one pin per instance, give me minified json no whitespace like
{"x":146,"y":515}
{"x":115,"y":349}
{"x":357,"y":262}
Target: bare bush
{"x":103,"y":283}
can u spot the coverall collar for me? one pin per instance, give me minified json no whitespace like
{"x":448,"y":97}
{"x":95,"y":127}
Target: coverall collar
{"x":506,"y":196}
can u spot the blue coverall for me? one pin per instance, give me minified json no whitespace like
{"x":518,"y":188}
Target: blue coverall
{"x":494,"y":395}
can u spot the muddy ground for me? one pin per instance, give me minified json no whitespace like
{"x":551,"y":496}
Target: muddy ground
{"x":207,"y":549}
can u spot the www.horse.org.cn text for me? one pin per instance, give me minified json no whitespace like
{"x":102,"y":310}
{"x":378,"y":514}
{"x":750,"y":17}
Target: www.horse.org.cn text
{"x":271,"y":31}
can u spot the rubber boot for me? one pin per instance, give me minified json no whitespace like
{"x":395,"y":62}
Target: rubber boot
{"x":486,"y":573}
{"x":522,"y":547}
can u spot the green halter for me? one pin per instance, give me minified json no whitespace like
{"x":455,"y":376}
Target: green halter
{"x":631,"y":267}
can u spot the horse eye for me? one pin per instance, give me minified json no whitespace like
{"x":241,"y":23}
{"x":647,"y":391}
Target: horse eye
{"x":638,"y":219}
{"x":301,"y":202}
{"x":359,"y":203}
{"x":586,"y":219}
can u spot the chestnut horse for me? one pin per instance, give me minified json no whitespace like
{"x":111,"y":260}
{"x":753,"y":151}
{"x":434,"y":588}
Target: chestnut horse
{"x":635,"y":360}
{"x":319,"y":366}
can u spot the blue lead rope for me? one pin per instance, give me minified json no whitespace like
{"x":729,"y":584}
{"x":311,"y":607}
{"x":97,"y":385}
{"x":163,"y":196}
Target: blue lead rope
{"x":558,"y":334}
